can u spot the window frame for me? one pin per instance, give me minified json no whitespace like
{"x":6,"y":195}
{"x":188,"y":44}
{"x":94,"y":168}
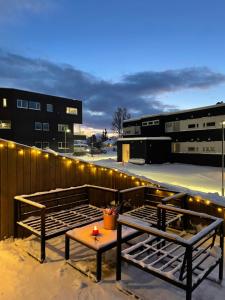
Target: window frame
{"x":43,"y":125}
{"x":22,"y":101}
{"x":49,"y":105}
{"x":36,"y":103}
{"x":35,"y":126}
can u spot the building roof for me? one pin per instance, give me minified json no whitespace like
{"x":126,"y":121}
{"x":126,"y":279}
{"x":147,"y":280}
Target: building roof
{"x":159,"y":138}
{"x":175,"y":112}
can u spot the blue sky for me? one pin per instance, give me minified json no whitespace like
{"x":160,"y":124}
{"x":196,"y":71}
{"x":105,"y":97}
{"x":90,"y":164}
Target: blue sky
{"x":146,"y":55}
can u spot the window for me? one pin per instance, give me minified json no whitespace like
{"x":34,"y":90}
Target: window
{"x":71,"y":110}
{"x":34,"y":105}
{"x":45,"y":145}
{"x":45,"y":126}
{"x":61,"y":145}
{"x":49,"y":107}
{"x":210,"y":124}
{"x":144,"y":123}
{"x":62,"y":127}
{"x":38,"y":144}
{"x":4,"y":102}
{"x":22,"y":103}
{"x":5,"y":124}
{"x":191,"y":125}
{"x":38,"y":126}
{"x":191,"y":149}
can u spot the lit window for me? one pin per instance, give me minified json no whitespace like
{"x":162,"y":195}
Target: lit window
{"x":4,"y":102}
{"x":45,"y":126}
{"x":5,"y":124}
{"x":71,"y":110}
{"x":22,"y":103}
{"x":61,"y":145}
{"x":49,"y":107}
{"x":62,"y":127}
{"x":34,"y":105}
{"x":38,"y":126}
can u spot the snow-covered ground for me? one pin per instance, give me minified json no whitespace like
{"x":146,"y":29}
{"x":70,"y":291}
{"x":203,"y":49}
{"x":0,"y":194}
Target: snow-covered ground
{"x":22,"y":277}
{"x":196,"y":180}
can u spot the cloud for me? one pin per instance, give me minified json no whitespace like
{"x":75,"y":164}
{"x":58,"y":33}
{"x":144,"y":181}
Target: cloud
{"x":138,"y":92}
{"x":12,"y":9}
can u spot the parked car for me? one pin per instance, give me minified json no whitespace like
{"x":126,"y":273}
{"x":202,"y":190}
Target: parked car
{"x":81,"y":149}
{"x":95,"y":150}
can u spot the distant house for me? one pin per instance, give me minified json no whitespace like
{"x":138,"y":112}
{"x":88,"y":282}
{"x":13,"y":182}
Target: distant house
{"x":39,"y":120}
{"x":195,"y":137}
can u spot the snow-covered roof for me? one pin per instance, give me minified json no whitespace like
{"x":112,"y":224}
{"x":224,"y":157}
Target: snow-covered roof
{"x":145,"y":138}
{"x":175,"y":112}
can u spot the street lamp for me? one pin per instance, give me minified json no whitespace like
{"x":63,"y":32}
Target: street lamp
{"x":222,"y":152}
{"x":67,"y":130}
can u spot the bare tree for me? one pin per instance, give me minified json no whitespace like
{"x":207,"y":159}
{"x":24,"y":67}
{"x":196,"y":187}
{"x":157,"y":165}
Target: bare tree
{"x":119,"y":116}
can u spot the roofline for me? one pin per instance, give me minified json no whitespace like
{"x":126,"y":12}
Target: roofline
{"x":166,"y":138}
{"x":175,"y":112}
{"x":43,"y":94}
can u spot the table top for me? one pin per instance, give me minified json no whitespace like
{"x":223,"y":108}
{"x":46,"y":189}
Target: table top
{"x":105,"y":238}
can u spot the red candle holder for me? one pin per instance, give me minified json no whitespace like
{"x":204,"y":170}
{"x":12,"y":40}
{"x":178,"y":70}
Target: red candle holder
{"x":95,"y":231}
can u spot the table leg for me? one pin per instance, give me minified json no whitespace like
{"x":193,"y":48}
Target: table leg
{"x":67,"y":247}
{"x":98,"y":265}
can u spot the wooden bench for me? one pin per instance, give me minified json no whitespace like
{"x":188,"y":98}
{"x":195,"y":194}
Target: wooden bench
{"x":143,"y":203}
{"x":182,"y":261}
{"x":50,"y":214}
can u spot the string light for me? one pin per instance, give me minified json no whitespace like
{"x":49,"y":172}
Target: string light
{"x":132,"y":177}
{"x":219,"y":209}
{"x":63,"y":157}
{"x":11,"y":145}
{"x":198,"y":200}
{"x":46,"y":155}
{"x":190,"y":200}
{"x":21,"y":152}
{"x":1,"y":145}
{"x":207,"y":202}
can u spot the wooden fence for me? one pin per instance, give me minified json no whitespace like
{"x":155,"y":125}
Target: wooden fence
{"x":26,"y":170}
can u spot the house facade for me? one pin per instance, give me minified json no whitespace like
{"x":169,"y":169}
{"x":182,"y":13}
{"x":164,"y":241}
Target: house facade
{"x":39,"y":120}
{"x":196,"y":134}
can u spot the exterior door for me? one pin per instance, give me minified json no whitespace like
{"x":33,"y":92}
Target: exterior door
{"x":125,"y":152}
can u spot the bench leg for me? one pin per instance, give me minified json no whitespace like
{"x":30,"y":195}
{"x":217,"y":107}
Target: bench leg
{"x":188,"y":295}
{"x":98,"y":265}
{"x":67,"y":247}
{"x":118,"y":256}
{"x":222,"y":250}
{"x":42,"y":249}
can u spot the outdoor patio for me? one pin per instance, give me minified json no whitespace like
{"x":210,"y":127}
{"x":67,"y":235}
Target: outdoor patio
{"x":56,"y":279}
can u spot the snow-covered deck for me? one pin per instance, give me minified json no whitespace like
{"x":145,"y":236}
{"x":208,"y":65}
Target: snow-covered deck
{"x":23,"y":278}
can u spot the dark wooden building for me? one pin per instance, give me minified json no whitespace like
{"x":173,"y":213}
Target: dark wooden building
{"x":146,"y":148}
{"x":196,"y":134}
{"x":39,"y":120}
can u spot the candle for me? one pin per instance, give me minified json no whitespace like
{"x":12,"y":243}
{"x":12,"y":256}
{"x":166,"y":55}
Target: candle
{"x":95,"y":231}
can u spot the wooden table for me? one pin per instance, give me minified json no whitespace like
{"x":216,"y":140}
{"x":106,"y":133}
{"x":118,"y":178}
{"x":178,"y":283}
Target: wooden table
{"x":105,"y":240}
